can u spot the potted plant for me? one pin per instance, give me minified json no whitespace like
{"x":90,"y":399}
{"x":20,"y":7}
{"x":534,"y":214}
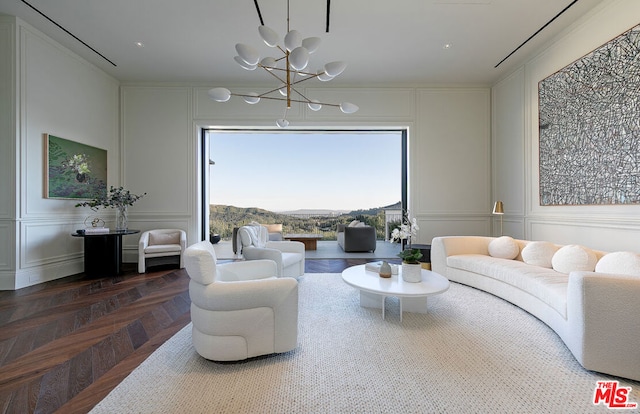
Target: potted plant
{"x":117,"y":198}
{"x":213,"y":237}
{"x":411,"y":267}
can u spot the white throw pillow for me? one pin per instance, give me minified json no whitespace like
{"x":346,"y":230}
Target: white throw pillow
{"x":622,"y":263}
{"x":539,"y":253}
{"x":504,"y":247}
{"x":354,"y":223}
{"x":573,"y":257}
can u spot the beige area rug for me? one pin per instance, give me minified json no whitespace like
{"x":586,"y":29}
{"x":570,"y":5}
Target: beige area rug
{"x":472,"y":353}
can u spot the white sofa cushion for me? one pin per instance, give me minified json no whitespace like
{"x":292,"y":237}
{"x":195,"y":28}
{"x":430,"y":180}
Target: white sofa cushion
{"x":504,"y":247}
{"x":573,"y":257}
{"x":164,"y":248}
{"x":545,"y":284}
{"x":539,"y":253}
{"x":623,"y":263}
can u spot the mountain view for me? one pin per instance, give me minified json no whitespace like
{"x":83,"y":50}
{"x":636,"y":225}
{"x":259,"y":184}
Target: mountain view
{"x":312,"y":212}
{"x":224,"y":218}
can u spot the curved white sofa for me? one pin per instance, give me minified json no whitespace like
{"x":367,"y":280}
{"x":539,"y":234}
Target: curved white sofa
{"x":597,"y":315}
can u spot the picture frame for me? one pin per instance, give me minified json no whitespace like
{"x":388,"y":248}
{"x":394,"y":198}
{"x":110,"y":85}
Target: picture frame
{"x":73,"y":170}
{"x":588,"y":135}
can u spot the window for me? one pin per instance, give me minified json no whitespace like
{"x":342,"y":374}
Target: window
{"x":304,"y":173}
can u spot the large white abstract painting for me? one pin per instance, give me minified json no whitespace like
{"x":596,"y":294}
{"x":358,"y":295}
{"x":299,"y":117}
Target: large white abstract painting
{"x":589,"y":114}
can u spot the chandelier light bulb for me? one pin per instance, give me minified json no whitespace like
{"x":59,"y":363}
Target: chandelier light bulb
{"x":252,"y":99}
{"x":333,"y":69}
{"x":299,"y":58}
{"x":348,"y":108}
{"x":323,"y":77}
{"x":269,"y":36}
{"x":311,"y":43}
{"x":292,"y":40}
{"x":314,"y":105}
{"x":244,"y":64}
{"x":282,"y":123}
{"x":268,"y":63}
{"x":219,"y":94}
{"x":248,"y":54}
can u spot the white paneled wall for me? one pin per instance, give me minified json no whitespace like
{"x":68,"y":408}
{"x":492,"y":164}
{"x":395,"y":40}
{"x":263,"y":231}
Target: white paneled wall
{"x":449,"y":143}
{"x":52,"y":91}
{"x":8,"y":34}
{"x":160,"y":157}
{"x":394,"y":105}
{"x":450,"y":185}
{"x":515,"y":134}
{"x":508,"y":154}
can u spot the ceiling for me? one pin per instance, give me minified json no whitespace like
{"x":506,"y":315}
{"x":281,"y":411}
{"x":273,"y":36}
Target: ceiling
{"x":383,"y":42}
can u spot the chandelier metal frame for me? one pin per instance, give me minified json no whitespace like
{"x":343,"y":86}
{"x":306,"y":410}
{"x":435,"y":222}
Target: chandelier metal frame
{"x":295,"y":55}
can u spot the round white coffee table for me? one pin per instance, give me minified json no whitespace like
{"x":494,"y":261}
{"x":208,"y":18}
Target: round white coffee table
{"x":413,"y":296}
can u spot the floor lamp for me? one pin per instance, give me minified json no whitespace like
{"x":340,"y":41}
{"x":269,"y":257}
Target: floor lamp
{"x":498,"y":208}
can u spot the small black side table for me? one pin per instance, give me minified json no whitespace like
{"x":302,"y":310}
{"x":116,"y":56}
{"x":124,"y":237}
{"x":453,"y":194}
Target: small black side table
{"x":103,"y":252}
{"x":425,"y":249}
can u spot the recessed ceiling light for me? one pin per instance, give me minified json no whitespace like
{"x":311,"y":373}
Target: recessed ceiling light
{"x":139,"y":44}
{"x":447,"y":46}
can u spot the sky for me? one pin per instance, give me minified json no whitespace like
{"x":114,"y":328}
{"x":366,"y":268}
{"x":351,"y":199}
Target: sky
{"x":292,"y":170}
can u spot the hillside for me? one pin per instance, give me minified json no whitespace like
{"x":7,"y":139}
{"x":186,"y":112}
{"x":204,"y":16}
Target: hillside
{"x":224,"y":218}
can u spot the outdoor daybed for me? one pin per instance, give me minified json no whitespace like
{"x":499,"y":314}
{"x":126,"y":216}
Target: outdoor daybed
{"x":591,"y":299}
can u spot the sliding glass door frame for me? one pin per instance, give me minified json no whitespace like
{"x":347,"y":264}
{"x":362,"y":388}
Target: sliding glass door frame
{"x":206,"y":164}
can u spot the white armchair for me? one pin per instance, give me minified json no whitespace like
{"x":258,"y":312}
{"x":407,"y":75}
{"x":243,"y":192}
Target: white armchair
{"x":255,"y":245}
{"x":240,"y":309}
{"x":162,"y":243}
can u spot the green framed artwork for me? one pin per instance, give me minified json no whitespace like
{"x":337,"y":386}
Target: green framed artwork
{"x":73,"y":170}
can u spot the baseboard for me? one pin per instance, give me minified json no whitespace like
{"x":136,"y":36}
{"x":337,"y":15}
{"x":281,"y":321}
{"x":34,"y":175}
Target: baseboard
{"x":39,"y":274}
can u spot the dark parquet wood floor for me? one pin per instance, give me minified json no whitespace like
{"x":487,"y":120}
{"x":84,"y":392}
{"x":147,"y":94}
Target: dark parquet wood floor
{"x":65,"y":344}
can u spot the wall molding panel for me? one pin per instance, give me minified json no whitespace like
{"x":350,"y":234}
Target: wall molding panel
{"x":46,"y":243}
{"x":446,"y":225}
{"x":515,"y":124}
{"x":52,"y":90}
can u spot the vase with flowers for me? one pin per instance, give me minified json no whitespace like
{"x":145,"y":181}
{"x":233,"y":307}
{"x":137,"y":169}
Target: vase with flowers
{"x":408,"y":229}
{"x":117,"y":198}
{"x":78,"y":164}
{"x":411,"y":267}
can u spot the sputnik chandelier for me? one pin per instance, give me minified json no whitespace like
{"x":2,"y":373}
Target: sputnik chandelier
{"x":295,"y":55}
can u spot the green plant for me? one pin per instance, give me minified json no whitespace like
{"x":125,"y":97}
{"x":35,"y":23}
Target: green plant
{"x":115,"y":198}
{"x":411,"y":256}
